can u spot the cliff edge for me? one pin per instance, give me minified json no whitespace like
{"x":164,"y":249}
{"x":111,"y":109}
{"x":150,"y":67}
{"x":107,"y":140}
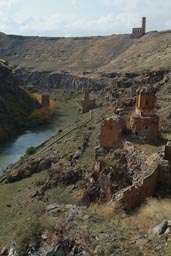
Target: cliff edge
{"x":15,"y":103}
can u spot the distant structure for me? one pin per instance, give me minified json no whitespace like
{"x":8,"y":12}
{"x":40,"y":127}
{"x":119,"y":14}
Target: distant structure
{"x":138,"y":32}
{"x":144,"y":123}
{"x":45,"y":101}
{"x":110,"y":132}
{"x":86,"y":103}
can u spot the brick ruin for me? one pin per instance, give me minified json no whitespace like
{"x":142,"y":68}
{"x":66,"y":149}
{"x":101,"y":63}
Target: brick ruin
{"x":87,"y":103}
{"x":144,"y":123}
{"x":159,"y":178}
{"x":45,"y":101}
{"x":139,"y":32}
{"x":110,"y":132}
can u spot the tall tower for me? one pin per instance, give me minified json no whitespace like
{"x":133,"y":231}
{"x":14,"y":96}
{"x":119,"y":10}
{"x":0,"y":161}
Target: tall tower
{"x":145,"y":100}
{"x":144,"y":123}
{"x":143,"y":25}
{"x":86,"y":103}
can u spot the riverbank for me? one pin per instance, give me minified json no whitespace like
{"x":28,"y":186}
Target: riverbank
{"x":66,"y":114}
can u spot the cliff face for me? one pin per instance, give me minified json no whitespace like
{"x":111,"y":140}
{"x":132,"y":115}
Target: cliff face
{"x":57,"y":80}
{"x":15,"y":104}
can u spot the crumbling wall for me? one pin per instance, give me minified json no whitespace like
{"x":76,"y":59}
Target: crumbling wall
{"x":138,"y":32}
{"x":145,"y":128}
{"x":132,"y":196}
{"x":111,"y":131}
{"x":87,"y":103}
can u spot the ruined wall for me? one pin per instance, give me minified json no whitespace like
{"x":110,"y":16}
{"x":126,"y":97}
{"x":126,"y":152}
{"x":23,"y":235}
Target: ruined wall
{"x":138,"y":32}
{"x":110,"y":133}
{"x":134,"y":195}
{"x":165,"y":169}
{"x":159,"y":179}
{"x":110,"y":136}
{"x":145,"y":104}
{"x":144,"y":123}
{"x":145,"y":128}
{"x":87,"y":103}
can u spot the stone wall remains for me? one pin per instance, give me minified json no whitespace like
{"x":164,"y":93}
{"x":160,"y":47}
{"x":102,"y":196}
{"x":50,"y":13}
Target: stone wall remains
{"x":132,"y":196}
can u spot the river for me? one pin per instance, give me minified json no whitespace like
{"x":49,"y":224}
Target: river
{"x":13,"y":149}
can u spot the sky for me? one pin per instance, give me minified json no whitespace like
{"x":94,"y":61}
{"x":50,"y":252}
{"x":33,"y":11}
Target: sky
{"x":81,"y":17}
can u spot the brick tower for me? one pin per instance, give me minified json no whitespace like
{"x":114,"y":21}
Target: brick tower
{"x":144,"y":123}
{"x":139,"y":32}
{"x":86,"y":103}
{"x":110,"y":132}
{"x":143,"y":25}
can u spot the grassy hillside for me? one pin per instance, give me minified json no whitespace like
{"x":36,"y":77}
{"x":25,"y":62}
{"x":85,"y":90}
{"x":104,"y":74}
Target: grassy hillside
{"x":151,"y":52}
{"x":51,"y":54}
{"x":102,"y":53}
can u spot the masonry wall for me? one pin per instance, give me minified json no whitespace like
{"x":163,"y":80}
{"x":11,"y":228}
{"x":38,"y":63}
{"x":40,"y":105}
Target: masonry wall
{"x":145,"y":128}
{"x":145,"y":103}
{"x":134,"y":195}
{"x":137,"y":32}
{"x":87,"y":104}
{"x":110,"y":136}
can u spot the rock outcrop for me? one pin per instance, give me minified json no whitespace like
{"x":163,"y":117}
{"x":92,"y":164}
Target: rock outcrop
{"x":15,"y":103}
{"x":46,"y":79}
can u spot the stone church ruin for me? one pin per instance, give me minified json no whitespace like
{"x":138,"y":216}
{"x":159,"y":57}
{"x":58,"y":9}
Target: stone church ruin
{"x":87,"y":103}
{"x":144,"y":123}
{"x":139,"y":32}
{"x":110,"y":132}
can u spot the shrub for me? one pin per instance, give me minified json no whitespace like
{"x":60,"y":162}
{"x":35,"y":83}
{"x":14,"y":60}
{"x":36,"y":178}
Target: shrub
{"x":31,"y":150}
{"x":41,"y":115}
{"x":29,"y":233}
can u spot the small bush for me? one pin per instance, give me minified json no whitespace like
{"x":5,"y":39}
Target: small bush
{"x":31,"y":150}
{"x":91,"y":128}
{"x":41,"y":116}
{"x":30,"y":233}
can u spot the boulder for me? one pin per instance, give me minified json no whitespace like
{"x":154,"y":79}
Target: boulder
{"x":160,"y":229}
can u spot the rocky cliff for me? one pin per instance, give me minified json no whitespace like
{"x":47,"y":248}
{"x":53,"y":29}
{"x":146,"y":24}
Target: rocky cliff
{"x":15,"y":103}
{"x":57,"y":80}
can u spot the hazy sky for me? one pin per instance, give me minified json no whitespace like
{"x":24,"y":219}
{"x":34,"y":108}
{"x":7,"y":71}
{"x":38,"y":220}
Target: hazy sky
{"x":81,"y":17}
